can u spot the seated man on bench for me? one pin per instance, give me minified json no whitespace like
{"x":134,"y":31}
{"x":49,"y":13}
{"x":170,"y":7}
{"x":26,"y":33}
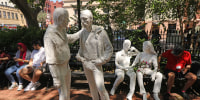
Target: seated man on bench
{"x":35,"y":65}
{"x":4,"y":57}
{"x":178,"y":64}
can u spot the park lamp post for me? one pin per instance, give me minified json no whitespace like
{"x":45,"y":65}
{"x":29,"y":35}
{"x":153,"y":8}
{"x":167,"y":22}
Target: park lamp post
{"x":79,"y":13}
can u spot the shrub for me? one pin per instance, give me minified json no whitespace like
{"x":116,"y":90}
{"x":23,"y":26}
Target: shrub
{"x":10,"y":38}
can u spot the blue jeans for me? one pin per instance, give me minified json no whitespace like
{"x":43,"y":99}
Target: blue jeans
{"x":12,"y":69}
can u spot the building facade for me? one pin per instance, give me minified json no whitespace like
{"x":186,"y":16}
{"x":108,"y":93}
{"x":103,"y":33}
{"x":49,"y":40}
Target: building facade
{"x":10,"y":17}
{"x":6,"y":3}
{"x":49,"y":8}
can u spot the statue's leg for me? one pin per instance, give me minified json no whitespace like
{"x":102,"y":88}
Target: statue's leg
{"x":55,"y":73}
{"x":132,"y":76}
{"x":141,"y":85}
{"x":119,"y":79}
{"x":65,"y":82}
{"x":157,"y":85}
{"x":91,"y":81}
{"x":99,"y":80}
{"x":62,"y":78}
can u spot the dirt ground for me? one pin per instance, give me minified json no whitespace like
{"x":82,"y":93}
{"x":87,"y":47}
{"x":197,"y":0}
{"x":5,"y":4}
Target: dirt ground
{"x":52,"y":94}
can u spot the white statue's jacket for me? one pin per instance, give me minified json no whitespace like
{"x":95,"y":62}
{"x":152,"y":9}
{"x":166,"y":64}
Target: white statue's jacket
{"x":56,"y":45}
{"x":149,"y":57}
{"x":95,"y":50}
{"x":122,"y":62}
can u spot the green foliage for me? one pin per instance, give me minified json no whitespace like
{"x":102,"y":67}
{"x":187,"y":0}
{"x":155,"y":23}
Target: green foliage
{"x":10,"y":38}
{"x":120,"y":13}
{"x":137,"y":37}
{"x":42,"y":17}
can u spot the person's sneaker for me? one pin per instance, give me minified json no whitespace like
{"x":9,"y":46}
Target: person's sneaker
{"x":28,"y":88}
{"x":185,"y":95}
{"x":166,"y":96}
{"x":13,"y":86}
{"x":35,"y":86}
{"x":20,"y":87}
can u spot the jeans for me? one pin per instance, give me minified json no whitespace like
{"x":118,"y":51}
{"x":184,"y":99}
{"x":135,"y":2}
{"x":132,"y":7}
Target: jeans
{"x":12,"y":69}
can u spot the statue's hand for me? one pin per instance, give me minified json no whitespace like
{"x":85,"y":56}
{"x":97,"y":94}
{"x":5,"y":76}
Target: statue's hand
{"x":132,"y":48}
{"x":79,"y":58}
{"x":97,"y":62}
{"x":126,"y":68}
{"x":89,"y":65}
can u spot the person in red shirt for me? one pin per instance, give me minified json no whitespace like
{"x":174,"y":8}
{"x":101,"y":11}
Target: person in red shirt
{"x":4,"y":57}
{"x":178,"y":64}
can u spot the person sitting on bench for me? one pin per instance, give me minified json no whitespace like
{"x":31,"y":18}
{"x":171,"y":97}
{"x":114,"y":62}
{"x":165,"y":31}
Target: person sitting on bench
{"x":35,"y":65}
{"x":22,"y":58}
{"x":178,"y":64}
{"x":4,"y":57}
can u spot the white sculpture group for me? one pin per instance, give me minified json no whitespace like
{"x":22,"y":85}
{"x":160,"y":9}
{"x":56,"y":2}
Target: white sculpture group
{"x":95,"y":50}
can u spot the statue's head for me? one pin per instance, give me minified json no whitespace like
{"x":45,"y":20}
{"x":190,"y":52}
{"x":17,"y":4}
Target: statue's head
{"x":60,"y":17}
{"x":86,"y":18}
{"x":148,"y":47}
{"x":126,"y":45}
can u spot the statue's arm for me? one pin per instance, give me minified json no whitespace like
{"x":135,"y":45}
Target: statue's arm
{"x":155,"y":63}
{"x":79,"y":54}
{"x":73,"y":37}
{"x":134,"y":51}
{"x":108,"y":48}
{"x":117,"y":62}
{"x":49,"y":50}
{"x":137,"y":59}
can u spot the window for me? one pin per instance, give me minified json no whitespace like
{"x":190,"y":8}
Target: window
{"x":2,"y":3}
{"x":13,"y":16}
{"x":22,"y":18}
{"x":6,"y":3}
{"x":54,"y":7}
{"x":0,"y":14}
{"x":8,"y":14}
{"x":16,"y":16}
{"x":4,"y":14}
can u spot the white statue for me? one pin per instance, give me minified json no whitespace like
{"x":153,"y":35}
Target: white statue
{"x":122,"y":62}
{"x":149,"y":57}
{"x":58,"y":53}
{"x":95,"y":50}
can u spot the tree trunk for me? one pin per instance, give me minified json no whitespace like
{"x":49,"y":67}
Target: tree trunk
{"x":31,"y":19}
{"x":29,"y":12}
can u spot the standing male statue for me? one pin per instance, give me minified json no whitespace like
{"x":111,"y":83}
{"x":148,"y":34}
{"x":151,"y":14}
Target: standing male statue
{"x":122,"y":62}
{"x":95,"y":50}
{"x":58,"y":53}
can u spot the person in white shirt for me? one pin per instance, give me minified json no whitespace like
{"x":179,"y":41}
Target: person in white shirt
{"x":35,"y":65}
